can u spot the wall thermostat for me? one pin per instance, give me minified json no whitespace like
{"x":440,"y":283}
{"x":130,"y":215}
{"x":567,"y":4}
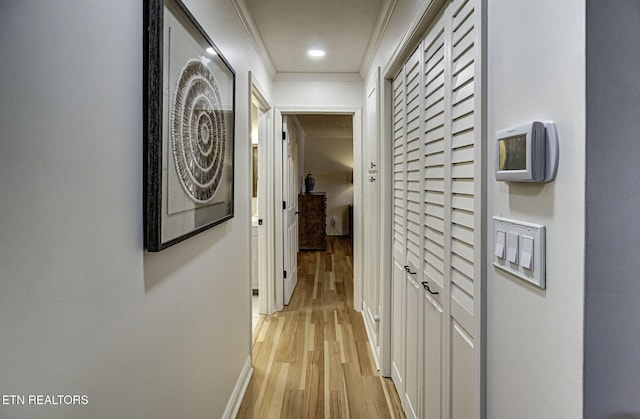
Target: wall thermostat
{"x":527,"y":153}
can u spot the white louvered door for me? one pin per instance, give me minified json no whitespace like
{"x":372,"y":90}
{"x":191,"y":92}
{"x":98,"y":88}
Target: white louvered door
{"x":398,"y":286}
{"x":437,"y":151}
{"x":414,"y":215}
{"x":466,"y":203}
{"x":434,"y":232}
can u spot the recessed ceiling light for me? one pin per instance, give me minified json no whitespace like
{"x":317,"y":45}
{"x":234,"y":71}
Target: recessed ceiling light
{"x":211,"y":51}
{"x":316,"y":53}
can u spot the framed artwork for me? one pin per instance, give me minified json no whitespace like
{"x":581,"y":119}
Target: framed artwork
{"x":189,"y":127}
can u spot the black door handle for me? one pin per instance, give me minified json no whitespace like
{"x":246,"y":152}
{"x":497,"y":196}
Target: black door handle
{"x":426,"y":286}
{"x":406,"y":268}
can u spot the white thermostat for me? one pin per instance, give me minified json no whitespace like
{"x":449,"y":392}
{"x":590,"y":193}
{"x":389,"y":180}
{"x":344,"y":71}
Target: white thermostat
{"x":527,"y":153}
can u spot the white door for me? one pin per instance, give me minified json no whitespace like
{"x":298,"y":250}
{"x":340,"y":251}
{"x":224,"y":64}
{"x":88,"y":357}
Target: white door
{"x":414,"y":218}
{"x":398,"y":281}
{"x":289,"y":207}
{"x":265,"y":304}
{"x":437,"y":220}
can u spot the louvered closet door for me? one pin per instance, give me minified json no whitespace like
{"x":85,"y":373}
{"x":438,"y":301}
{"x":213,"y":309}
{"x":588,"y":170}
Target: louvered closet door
{"x":436,"y":188}
{"x":465,"y":212}
{"x":398,"y":329}
{"x":414,"y":222}
{"x":437,"y":184}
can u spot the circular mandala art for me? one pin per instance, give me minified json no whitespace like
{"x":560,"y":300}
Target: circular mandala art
{"x":198,"y":135}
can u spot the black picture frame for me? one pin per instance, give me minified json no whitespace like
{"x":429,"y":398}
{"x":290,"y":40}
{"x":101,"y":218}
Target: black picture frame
{"x":189,"y":141}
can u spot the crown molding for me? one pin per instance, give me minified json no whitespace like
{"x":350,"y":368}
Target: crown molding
{"x":300,"y":76}
{"x":378,"y":32}
{"x":254,"y":35}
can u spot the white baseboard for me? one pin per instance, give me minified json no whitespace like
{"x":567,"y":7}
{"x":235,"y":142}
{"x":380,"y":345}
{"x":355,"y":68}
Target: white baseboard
{"x":233,"y":406}
{"x":374,"y":353}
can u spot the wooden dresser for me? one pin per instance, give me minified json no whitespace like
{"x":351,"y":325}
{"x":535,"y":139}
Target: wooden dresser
{"x":312,"y":209}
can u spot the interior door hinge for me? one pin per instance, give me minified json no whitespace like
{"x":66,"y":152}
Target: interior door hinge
{"x":284,"y":135}
{"x":285,"y":274}
{"x":284,"y":205}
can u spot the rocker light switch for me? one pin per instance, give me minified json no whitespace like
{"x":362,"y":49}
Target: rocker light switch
{"x":526,"y":253}
{"x":500,"y":242}
{"x":512,"y":247}
{"x":519,"y":249}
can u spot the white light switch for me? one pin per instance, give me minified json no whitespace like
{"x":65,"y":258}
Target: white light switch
{"x":526,"y":253}
{"x":512,"y":247}
{"x":500,"y":242}
{"x":519,"y":249}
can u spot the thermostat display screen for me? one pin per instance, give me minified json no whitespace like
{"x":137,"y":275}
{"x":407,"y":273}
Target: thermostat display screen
{"x":513,"y":153}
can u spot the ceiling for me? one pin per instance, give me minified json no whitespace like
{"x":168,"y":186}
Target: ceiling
{"x":343,"y":28}
{"x":348,"y":30}
{"x":320,"y":126}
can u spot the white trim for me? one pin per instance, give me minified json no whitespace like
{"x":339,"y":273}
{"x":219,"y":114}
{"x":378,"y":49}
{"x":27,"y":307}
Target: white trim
{"x":358,"y":211}
{"x":376,"y":35}
{"x":370,"y":337}
{"x":424,"y":15}
{"x":386,"y":230}
{"x":267,"y":277}
{"x":260,"y":94}
{"x":278,"y":235}
{"x":318,"y":77}
{"x":233,"y":405}
{"x":254,"y":35}
{"x":358,"y":245}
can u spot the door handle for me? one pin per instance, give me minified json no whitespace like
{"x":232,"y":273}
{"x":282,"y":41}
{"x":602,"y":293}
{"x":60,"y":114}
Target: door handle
{"x":406,"y":268}
{"x":426,"y":286}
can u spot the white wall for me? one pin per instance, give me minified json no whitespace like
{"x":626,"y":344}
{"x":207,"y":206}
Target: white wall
{"x":317,"y":90}
{"x":534,"y":337}
{"x":83,"y":308}
{"x":330,"y":160}
{"x":339,"y":190}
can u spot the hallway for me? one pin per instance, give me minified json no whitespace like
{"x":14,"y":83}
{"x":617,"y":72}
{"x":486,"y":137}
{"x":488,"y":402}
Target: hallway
{"x":313,"y":358}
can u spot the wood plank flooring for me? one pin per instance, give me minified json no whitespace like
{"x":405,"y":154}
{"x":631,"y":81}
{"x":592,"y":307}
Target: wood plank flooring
{"x":313,"y":360}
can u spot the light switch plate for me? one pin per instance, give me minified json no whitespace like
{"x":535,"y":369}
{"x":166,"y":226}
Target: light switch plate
{"x":528,"y":234}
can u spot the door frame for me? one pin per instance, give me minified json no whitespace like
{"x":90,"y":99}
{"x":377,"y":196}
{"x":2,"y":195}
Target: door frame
{"x":276,"y":169}
{"x":265,"y":195}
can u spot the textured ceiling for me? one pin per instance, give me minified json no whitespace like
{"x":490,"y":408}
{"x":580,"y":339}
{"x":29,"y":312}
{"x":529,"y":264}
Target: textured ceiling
{"x":289,"y":28}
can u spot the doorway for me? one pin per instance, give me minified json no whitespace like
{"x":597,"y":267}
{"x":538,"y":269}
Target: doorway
{"x":262,"y":290}
{"x":338,"y":216}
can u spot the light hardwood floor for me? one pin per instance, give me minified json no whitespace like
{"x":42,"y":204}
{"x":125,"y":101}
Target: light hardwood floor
{"x":312,"y":360}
